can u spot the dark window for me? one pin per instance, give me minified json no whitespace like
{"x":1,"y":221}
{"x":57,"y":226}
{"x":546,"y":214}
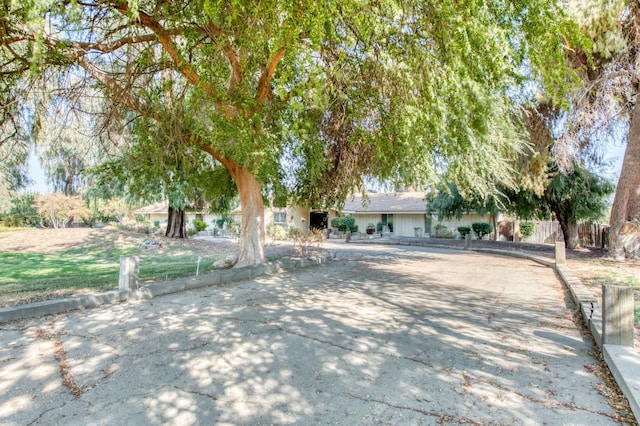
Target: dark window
{"x":280,"y":217}
{"x":387,"y":219}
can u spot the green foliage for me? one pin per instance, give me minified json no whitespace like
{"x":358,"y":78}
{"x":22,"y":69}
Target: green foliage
{"x":22,"y":212}
{"x":379,"y":227}
{"x":527,"y":229}
{"x":349,"y":223}
{"x":344,"y":223}
{"x":199,"y":225}
{"x":277,"y":232}
{"x":442,"y":231}
{"x":307,"y":99}
{"x":449,"y":202}
{"x":481,"y":229}
{"x":408,"y":97}
{"x":579,"y":195}
{"x":220,"y":222}
{"x":464,"y":230}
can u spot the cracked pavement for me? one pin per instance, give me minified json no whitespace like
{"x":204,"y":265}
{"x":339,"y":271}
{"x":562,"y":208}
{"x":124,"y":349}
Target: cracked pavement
{"x":381,"y":335}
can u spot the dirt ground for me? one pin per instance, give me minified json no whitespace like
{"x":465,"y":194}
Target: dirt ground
{"x":588,"y":263}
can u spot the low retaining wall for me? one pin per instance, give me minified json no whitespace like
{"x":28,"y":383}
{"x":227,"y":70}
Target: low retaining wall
{"x":221,"y":276}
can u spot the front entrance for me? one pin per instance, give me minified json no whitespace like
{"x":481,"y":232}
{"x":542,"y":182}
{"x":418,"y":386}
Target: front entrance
{"x":318,"y":220}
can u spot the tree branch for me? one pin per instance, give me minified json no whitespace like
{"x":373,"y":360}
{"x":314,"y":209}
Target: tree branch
{"x":120,"y":92}
{"x":164,"y":37}
{"x":264,"y":92}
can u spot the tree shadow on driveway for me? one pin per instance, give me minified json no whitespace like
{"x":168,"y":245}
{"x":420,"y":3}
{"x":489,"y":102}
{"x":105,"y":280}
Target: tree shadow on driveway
{"x":410,"y":337}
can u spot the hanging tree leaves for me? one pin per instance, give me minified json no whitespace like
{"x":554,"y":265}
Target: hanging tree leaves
{"x":303,"y":99}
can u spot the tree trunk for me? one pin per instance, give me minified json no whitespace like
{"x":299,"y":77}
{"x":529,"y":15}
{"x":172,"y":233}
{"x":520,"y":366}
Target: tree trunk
{"x":176,"y":223}
{"x":494,"y":220}
{"x":624,"y":234}
{"x":252,"y":227}
{"x":252,"y":206}
{"x":569,"y":232}
{"x":572,"y":241}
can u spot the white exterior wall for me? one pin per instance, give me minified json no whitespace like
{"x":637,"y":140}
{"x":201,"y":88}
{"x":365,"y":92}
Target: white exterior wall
{"x":362,"y":220}
{"x":404,"y":224}
{"x":296,"y":216}
{"x":209,"y":219}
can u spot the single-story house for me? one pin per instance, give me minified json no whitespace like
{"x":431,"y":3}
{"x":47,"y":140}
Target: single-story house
{"x":159,"y":213}
{"x":290,"y":216}
{"x":403,"y":213}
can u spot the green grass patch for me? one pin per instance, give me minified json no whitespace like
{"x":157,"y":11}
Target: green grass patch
{"x":94,"y":267}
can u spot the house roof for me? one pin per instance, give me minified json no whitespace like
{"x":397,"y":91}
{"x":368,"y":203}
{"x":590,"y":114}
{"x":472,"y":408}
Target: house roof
{"x":161,"y":207}
{"x":395,"y":202}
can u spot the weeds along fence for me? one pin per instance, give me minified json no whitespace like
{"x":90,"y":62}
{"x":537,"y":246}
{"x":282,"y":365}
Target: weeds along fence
{"x":591,"y":235}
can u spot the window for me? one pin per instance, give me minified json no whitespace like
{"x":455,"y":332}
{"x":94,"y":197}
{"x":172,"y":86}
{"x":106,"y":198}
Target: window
{"x":280,"y":217}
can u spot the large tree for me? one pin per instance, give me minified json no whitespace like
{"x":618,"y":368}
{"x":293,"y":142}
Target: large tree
{"x":301,"y":99}
{"x":608,"y":107}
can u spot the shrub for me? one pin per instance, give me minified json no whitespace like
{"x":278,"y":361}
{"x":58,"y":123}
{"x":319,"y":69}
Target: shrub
{"x":220,"y":222}
{"x":277,"y":232}
{"x":481,"y":229}
{"x":199,"y":225}
{"x":344,"y":223}
{"x":464,"y":230}
{"x":442,"y":231}
{"x":379,"y":227}
{"x":338,"y":223}
{"x":527,"y":229}
{"x":295,"y":232}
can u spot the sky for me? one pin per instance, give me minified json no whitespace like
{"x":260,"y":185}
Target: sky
{"x":37,"y":175}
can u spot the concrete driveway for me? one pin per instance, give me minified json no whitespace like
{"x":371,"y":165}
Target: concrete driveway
{"x":381,"y":335}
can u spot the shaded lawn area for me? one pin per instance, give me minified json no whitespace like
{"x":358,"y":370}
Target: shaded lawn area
{"x":90,"y":265}
{"x":84,"y":268}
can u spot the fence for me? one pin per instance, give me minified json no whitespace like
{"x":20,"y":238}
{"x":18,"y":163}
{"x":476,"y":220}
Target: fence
{"x":590,"y":235}
{"x":546,"y":233}
{"x":594,"y":235}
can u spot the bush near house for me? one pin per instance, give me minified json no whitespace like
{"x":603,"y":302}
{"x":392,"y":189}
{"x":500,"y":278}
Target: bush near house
{"x":464,"y":230}
{"x":277,"y":232}
{"x":442,"y":231}
{"x":481,"y":229}
{"x":199,"y":225}
{"x":344,"y":223}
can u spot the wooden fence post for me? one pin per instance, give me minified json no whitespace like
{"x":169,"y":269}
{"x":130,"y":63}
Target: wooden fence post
{"x":560,"y":253}
{"x":617,"y":315}
{"x":467,"y":241}
{"x":129,"y":269}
